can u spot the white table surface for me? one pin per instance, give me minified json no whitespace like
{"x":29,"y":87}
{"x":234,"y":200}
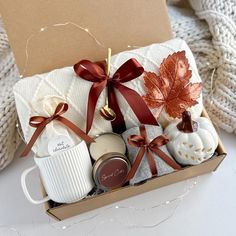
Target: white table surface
{"x":205,"y":205}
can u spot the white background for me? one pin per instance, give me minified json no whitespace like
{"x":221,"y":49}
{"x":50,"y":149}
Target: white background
{"x":205,"y":205}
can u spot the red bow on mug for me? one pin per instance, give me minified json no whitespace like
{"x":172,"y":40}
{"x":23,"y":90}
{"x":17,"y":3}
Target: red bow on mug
{"x":145,"y":147}
{"x":96,"y":73}
{"x":40,"y":122}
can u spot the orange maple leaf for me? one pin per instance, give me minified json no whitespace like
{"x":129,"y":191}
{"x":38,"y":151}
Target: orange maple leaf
{"x":172,"y":89}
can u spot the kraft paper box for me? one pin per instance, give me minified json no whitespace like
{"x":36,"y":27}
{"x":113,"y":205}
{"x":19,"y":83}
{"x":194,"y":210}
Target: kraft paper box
{"x":56,"y":41}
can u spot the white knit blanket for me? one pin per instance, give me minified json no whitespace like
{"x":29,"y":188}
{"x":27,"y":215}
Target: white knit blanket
{"x":40,"y":94}
{"x":210,"y":31}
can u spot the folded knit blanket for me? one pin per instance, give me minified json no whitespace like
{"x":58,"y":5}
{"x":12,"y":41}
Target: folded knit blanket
{"x":209,"y":28}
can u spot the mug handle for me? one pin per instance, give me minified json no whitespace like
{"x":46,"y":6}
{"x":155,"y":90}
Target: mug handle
{"x":25,"y":190}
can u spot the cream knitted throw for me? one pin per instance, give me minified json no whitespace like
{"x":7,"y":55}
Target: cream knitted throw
{"x":211,"y":35}
{"x":9,"y":139}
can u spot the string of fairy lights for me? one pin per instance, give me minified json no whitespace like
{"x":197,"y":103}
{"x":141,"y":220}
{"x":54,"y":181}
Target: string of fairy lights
{"x":156,"y":207}
{"x":45,"y":28}
{"x":69,"y":23}
{"x":104,"y":213}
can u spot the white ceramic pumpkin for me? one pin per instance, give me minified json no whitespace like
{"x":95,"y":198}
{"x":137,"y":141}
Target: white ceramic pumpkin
{"x":191,"y":142}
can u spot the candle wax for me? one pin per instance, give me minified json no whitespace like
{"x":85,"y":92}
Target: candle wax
{"x":106,"y":143}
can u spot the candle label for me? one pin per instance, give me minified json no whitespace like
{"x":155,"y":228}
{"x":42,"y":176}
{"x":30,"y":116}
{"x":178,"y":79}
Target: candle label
{"x":112,"y":173}
{"x":115,"y":173}
{"x":59,"y":144}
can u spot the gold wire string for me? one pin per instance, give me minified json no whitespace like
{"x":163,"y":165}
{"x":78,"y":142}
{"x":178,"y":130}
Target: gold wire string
{"x":44,"y":28}
{"x":177,"y":199}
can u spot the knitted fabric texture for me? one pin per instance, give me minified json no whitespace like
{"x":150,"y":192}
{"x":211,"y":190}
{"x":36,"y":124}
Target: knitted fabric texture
{"x":143,"y":172}
{"x":210,"y":32}
{"x":9,"y":139}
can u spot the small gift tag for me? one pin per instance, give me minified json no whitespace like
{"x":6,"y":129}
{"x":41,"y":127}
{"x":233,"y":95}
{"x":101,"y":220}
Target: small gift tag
{"x":59,"y":144}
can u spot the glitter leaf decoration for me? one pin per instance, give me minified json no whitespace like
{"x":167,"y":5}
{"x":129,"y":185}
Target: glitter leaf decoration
{"x":172,"y":90}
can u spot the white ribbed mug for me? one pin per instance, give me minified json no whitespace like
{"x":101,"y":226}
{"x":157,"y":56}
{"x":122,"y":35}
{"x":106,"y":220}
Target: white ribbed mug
{"x":66,"y":176}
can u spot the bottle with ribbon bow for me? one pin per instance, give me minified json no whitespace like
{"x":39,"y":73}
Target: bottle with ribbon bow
{"x":40,"y":122}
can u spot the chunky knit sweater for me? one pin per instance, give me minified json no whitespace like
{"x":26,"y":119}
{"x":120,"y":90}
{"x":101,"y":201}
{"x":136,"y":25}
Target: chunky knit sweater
{"x":210,"y":30}
{"x":9,"y":139}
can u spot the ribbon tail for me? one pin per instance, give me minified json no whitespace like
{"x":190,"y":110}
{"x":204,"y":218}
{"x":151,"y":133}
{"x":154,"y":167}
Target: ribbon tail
{"x":152,"y":163}
{"x":136,"y":164}
{"x":33,"y":139}
{"x":137,"y":104}
{"x":94,"y":94}
{"x":118,"y":125}
{"x":76,"y":129}
{"x":166,"y":158}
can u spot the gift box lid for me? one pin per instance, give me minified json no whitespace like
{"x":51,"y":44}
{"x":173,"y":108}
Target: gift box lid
{"x":45,"y":35}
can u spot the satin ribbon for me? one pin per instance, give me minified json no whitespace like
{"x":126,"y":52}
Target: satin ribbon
{"x":140,"y":141}
{"x":96,"y":73}
{"x":40,"y":122}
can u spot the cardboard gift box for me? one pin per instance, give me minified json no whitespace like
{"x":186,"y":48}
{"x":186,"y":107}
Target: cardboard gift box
{"x":49,"y":35}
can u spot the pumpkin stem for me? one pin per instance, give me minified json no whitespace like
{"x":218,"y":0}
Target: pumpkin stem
{"x":187,"y":125}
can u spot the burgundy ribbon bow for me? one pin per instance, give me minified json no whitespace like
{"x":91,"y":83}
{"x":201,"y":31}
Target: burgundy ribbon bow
{"x":96,"y":73}
{"x":141,"y":142}
{"x":40,"y":122}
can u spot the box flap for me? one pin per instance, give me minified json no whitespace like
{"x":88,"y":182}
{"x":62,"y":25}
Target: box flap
{"x":115,"y":24}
